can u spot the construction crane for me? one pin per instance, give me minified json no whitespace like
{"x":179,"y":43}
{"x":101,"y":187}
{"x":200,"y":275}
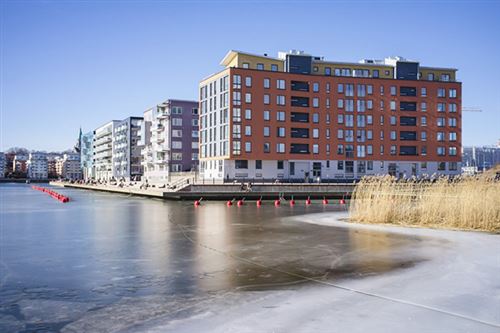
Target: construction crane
{"x":470,"y":109}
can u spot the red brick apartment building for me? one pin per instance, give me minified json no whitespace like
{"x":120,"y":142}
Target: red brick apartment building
{"x":300,"y":117}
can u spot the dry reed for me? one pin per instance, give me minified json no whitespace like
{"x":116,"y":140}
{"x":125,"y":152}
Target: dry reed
{"x":465,"y":202}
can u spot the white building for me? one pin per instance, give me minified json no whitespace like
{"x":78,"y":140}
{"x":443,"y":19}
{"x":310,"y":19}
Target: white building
{"x":126,"y":152}
{"x":103,"y":151}
{"x":69,"y":167}
{"x":2,"y":165}
{"x":38,"y":166}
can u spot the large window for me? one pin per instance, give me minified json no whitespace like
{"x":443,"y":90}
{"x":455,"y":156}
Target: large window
{"x":241,"y":164}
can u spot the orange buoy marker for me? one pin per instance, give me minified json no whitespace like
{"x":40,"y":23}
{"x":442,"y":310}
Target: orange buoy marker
{"x":308,"y":201}
{"x":325,"y":201}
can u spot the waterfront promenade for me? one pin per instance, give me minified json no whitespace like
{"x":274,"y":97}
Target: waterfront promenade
{"x":227,"y":191}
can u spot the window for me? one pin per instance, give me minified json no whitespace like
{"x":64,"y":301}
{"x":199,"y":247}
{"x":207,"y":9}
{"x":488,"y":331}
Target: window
{"x":241,"y":164}
{"x":441,"y":107}
{"x":441,"y":151}
{"x":369,"y":151}
{"x":327,"y":118}
{"x":280,"y":148}
{"x":267,"y":115}
{"x":452,"y":166}
{"x":441,"y":122}
{"x":349,"y":120}
{"x":280,"y":100}
{"x":340,"y":134}
{"x":177,"y":110}
{"x":327,"y":87}
{"x":375,"y":73}
{"x":441,"y":92}
{"x":248,"y":130}
{"x":340,"y":88}
{"x":315,"y":103}
{"x":445,"y":77}
{"x":369,"y":134}
{"x":369,"y":104}
{"x":248,"y":97}
{"x":381,"y":120}
{"x":393,"y":135}
{"x":258,"y":164}
{"x":280,"y":84}
{"x":328,"y":71}
{"x":430,"y":77}
{"x":452,"y":122}
{"x":176,"y":144}
{"x":315,"y":87}
{"x":393,"y":105}
{"x":381,"y":90}
{"x":393,"y":150}
{"x":361,"y":151}
{"x":236,"y":114}
{"x":349,"y":105}
{"x":361,"y":105}
{"x":280,"y":116}
{"x":177,"y":133}
{"x":177,"y":156}
{"x":315,"y":117}
{"x":280,"y":165}
{"x":194,"y":134}
{"x":349,"y":151}
{"x":267,"y":131}
{"x":194,"y":122}
{"x":267,"y":98}
{"x":315,"y":133}
{"x":194,"y":145}
{"x":267,"y":147}
{"x":267,"y":83}
{"x":236,"y":131}
{"x":369,"y":89}
{"x":340,"y":103}
{"x":274,"y":68}
{"x":423,"y":136}
{"x":442,"y":166}
{"x":452,"y":107}
{"x":236,"y":81}
{"x":349,"y":90}
{"x":260,"y":67}
{"x":248,"y":81}
{"x":248,"y":114}
{"x":453,"y":136}
{"x":393,"y":90}
{"x":340,"y":119}
{"x":369,"y":119}
{"x":452,"y":93}
{"x":423,"y":121}
{"x":361,"y":120}
{"x":236,"y":98}
{"x":361,"y":90}
{"x":176,"y":121}
{"x":423,"y":106}
{"x":315,"y":149}
{"x":340,"y":149}
{"x":393,"y":120}
{"x":423,"y":92}
{"x":440,"y":136}
{"x":281,"y":132}
{"x":349,"y":135}
{"x":194,"y":111}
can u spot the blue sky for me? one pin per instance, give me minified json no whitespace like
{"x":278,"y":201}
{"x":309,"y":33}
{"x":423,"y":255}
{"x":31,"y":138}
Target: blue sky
{"x":67,"y":64}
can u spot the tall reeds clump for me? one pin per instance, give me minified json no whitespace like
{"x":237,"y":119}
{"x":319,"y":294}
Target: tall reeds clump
{"x":465,"y":202}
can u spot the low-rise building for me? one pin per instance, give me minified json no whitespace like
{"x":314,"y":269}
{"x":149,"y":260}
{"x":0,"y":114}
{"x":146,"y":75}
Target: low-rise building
{"x":69,"y":167}
{"x":103,"y":151}
{"x":169,"y":139}
{"x":126,"y":151}
{"x":481,"y":158}
{"x":37,"y":166}
{"x":52,"y":165}
{"x":19,"y":165}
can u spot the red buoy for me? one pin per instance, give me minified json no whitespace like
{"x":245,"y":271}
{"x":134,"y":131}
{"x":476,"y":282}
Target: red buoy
{"x":196,"y":203}
{"x":292,"y":203}
{"x":342,"y":201}
{"x":239,"y":203}
{"x":325,"y":201}
{"x":277,"y":203}
{"x":259,"y":203}
{"x":308,"y":201}
{"x":229,"y":203}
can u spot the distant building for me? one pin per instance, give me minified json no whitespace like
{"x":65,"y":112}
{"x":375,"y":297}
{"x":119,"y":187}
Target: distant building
{"x":3,"y":164}
{"x":9,"y":160}
{"x":103,"y":151}
{"x":19,"y":165}
{"x":37,"y":166}
{"x":126,"y":152}
{"x":169,"y":138}
{"x":51,"y":165}
{"x":69,"y":167}
{"x":87,"y":155}
{"x":480,"y":158}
